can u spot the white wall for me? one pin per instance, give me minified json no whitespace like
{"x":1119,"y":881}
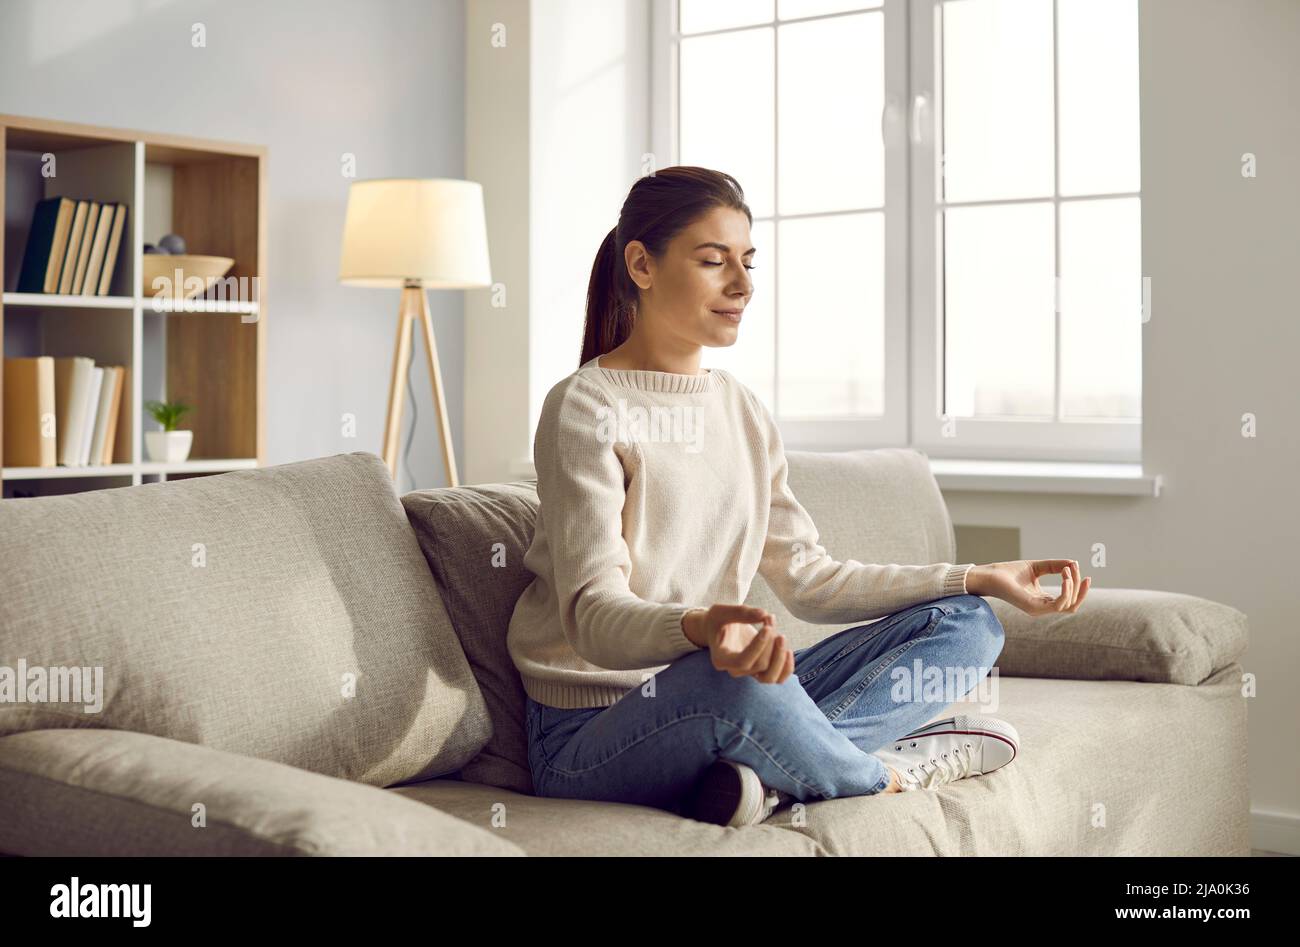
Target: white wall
{"x":310,"y":79}
{"x":1218,"y":78}
{"x":497,"y":154}
{"x":576,"y":74}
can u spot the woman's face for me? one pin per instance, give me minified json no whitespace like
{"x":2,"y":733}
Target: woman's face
{"x":697,"y":291}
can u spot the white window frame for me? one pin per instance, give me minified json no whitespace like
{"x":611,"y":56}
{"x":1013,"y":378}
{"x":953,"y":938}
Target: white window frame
{"x":913,"y":264}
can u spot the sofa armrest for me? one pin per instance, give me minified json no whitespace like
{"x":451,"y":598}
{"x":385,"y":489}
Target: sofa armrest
{"x":1124,"y":635}
{"x":117,"y":792}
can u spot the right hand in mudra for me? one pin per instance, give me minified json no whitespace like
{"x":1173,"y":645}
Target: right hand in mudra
{"x":736,"y":646}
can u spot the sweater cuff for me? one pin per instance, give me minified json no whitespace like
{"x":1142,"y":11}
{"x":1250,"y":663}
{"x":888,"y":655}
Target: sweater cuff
{"x":954,"y":583}
{"x":673,"y":632}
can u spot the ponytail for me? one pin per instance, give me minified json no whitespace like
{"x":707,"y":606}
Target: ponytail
{"x":609,"y":313}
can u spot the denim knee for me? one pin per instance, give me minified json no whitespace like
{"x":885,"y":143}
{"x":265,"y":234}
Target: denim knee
{"x":989,"y":624}
{"x":746,"y":697}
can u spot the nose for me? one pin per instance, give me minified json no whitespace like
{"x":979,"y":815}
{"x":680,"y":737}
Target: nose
{"x":743,"y":284}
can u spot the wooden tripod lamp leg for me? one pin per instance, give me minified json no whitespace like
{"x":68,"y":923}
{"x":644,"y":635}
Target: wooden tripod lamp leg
{"x":397,"y":387}
{"x":415,"y":305}
{"x":439,"y":402}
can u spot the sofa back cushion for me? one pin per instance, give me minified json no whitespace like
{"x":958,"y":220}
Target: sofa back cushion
{"x":880,"y":505}
{"x":872,"y":505}
{"x":474,"y":538}
{"x":284,"y":613}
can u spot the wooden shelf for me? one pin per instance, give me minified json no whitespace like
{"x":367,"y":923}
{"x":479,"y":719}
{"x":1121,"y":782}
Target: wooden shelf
{"x":212,"y":193}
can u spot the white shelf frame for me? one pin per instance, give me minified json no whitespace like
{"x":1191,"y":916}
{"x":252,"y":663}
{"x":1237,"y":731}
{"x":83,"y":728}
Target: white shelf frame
{"x":133,"y":470}
{"x":139,"y":305}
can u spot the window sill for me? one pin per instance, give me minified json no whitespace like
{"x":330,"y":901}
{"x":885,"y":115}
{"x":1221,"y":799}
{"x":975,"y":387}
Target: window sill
{"x":1025,"y":476}
{"x":1013,"y":476}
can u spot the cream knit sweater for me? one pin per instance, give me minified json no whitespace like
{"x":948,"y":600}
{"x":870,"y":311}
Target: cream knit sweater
{"x":659,"y":493}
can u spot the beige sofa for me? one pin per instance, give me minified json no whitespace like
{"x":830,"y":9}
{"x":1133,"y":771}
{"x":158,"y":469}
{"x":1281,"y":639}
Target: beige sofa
{"x":295,"y":660}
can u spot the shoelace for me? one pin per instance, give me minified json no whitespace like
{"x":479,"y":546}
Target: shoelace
{"x":954,"y":765}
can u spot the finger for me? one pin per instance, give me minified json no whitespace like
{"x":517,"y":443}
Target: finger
{"x":780,"y":660}
{"x":1078,"y":583}
{"x":750,"y":614}
{"x":749,"y":658}
{"x":762,"y":663}
{"x":775,"y":663}
{"x":1083,"y":592}
{"x":789,"y":666}
{"x":1041,"y":567}
{"x":1064,"y":600}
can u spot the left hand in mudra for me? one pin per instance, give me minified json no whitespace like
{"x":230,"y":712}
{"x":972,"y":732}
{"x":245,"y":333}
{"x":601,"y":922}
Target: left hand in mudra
{"x":1017,"y":582}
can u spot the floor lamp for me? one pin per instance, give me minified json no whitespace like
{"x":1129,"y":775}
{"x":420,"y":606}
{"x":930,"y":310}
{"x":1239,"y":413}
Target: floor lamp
{"x":417,"y":234}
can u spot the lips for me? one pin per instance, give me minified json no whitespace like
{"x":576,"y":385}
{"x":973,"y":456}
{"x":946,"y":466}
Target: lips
{"x":732,"y":315}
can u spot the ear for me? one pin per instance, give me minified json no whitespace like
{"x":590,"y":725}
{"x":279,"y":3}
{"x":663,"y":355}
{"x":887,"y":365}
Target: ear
{"x":640,"y":266}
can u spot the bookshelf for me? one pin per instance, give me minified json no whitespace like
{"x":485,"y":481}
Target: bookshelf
{"x":209,"y":351}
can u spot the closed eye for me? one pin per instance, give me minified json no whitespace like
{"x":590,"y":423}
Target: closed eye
{"x":719,"y":263}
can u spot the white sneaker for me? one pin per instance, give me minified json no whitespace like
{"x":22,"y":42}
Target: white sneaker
{"x":731,"y":794}
{"x":950,"y":749}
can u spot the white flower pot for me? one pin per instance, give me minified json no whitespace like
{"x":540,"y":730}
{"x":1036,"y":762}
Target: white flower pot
{"x":168,"y":446}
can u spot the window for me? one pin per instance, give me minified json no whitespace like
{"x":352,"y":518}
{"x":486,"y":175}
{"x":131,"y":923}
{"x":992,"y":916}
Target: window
{"x":947,"y":214}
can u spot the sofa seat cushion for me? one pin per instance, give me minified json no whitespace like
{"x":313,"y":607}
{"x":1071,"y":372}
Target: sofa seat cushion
{"x":284,"y":613}
{"x":113,"y":792}
{"x":568,"y":827}
{"x":1104,"y":768}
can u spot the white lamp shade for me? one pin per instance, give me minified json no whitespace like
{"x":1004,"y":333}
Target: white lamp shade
{"x":427,"y":229}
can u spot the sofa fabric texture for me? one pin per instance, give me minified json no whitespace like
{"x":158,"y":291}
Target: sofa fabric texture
{"x":284,"y":613}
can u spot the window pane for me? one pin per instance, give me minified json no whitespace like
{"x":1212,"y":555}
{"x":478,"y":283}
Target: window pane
{"x":1099,"y":96}
{"x":753,"y":358}
{"x":789,"y":9}
{"x":999,"y":310}
{"x":1101,"y":308}
{"x":832,"y":88}
{"x":700,"y":15}
{"x":997,"y":91}
{"x":727,"y":110}
{"x":831,"y":328}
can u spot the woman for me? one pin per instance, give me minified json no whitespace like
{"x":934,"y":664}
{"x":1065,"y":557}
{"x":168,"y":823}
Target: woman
{"x":662,"y":493}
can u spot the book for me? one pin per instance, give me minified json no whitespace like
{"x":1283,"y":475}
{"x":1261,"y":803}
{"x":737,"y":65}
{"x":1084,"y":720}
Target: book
{"x":29,"y":421}
{"x":74,"y":246}
{"x":83,"y":253}
{"x":72,"y":375}
{"x":47,"y":243}
{"x":92,"y":408}
{"x":114,"y":242}
{"x":117,"y":407}
{"x":97,"y":251}
{"x":101,"y":445}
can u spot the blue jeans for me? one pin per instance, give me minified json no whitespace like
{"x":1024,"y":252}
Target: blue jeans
{"x":811,"y":736}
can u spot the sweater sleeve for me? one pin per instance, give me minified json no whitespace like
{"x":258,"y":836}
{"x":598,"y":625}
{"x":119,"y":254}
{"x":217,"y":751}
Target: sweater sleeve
{"x":817,"y":588}
{"x":581,"y":492}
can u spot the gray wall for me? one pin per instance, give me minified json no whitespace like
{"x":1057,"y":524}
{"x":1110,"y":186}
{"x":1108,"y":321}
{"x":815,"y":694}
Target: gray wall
{"x":310,"y":79}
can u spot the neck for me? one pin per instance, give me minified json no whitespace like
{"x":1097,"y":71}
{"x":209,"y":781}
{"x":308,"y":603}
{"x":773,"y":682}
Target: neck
{"x":634,"y":355}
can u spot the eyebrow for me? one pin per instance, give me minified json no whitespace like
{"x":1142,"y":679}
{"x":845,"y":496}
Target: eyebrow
{"x":723,"y":247}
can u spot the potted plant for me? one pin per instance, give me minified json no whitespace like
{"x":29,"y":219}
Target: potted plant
{"x":168,"y":445}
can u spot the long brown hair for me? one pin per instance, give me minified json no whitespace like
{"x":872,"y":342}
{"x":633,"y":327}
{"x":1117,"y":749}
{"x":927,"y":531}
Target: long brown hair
{"x":658,"y":207}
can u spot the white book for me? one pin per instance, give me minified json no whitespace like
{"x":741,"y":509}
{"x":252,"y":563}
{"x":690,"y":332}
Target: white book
{"x":91,"y":409}
{"x":72,"y":375}
{"x":102,"y":413}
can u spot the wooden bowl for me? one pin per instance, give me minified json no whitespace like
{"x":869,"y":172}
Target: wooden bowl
{"x":196,"y":274}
